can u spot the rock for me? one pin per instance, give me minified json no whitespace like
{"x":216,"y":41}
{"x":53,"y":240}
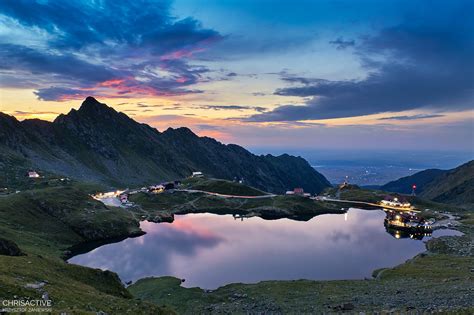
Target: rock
{"x":9,"y":248}
{"x":37,"y":285}
{"x":347,"y":306}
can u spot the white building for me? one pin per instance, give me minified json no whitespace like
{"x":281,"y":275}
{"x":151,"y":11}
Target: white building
{"x":197,"y":174}
{"x":33,"y":174}
{"x":395,"y":203}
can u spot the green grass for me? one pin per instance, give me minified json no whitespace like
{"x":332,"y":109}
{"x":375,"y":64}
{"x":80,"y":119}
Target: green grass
{"x":53,"y":216}
{"x":44,"y":223}
{"x":424,"y":280}
{"x":71,"y":288}
{"x":165,"y":204}
{"x":221,"y":186}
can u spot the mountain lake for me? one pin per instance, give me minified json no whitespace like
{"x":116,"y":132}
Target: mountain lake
{"x":209,"y":250}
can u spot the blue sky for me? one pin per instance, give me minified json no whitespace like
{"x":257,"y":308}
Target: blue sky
{"x":299,"y":74}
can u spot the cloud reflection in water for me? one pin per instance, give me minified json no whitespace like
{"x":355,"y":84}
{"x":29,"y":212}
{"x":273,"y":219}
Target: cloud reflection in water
{"x":211,"y":250}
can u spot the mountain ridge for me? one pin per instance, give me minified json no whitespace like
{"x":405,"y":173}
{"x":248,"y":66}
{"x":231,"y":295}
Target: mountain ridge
{"x":454,"y":186}
{"x":97,"y":143}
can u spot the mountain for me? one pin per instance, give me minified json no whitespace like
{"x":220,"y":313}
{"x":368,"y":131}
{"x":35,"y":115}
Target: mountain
{"x":455,"y":186}
{"x":420,"y":179}
{"x":97,"y":143}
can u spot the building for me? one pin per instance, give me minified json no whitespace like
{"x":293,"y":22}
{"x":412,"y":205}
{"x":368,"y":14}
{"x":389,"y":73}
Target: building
{"x":156,"y":189}
{"x":197,"y":174}
{"x":406,"y":221}
{"x":33,"y":174}
{"x":395,"y":203}
{"x":298,"y":191}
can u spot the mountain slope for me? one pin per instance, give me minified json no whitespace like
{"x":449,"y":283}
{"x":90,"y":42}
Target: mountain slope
{"x":420,"y":179}
{"x":99,"y":144}
{"x":454,"y":187}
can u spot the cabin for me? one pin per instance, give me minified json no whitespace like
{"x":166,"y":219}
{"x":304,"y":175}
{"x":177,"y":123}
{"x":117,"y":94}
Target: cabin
{"x":156,"y":189}
{"x":406,"y":221}
{"x":395,"y":202}
{"x":33,"y":174}
{"x":197,"y":174}
{"x":298,"y":191}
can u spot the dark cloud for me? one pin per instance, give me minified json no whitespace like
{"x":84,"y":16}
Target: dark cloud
{"x":410,"y":66}
{"x":340,"y":43}
{"x":111,"y":48}
{"x":21,"y":58}
{"x":55,"y":93}
{"x":412,"y":117}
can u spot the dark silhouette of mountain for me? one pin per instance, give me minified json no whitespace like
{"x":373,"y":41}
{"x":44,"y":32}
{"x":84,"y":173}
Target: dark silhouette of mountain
{"x":455,"y":186}
{"x":97,"y":143}
{"x":421,"y":179}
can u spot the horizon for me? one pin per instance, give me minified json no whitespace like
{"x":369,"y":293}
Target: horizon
{"x":333,"y":79}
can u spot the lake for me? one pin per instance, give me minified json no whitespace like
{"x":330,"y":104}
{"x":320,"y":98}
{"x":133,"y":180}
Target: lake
{"x":209,"y":250}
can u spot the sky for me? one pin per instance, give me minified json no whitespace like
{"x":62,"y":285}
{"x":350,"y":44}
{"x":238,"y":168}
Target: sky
{"x":336,"y":74}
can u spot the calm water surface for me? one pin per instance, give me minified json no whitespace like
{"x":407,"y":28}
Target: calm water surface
{"x":211,"y":250}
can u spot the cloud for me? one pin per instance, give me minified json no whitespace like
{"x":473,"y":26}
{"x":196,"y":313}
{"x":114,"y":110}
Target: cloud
{"x":231,"y":107}
{"x":208,"y":127}
{"x":415,"y":65}
{"x":340,"y":43}
{"x":109,"y":49}
{"x":412,"y":117}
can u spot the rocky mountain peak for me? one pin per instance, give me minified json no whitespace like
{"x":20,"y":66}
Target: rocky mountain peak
{"x":91,"y":106}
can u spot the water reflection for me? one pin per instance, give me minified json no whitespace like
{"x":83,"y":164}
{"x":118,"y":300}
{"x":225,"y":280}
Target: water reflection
{"x":210,"y":250}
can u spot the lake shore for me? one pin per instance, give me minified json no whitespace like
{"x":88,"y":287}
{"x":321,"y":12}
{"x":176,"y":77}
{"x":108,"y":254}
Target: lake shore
{"x":45,"y":222}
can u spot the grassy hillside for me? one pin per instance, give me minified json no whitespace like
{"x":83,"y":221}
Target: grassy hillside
{"x":43,"y":223}
{"x":453,"y":187}
{"x":426,"y":283}
{"x":221,"y":186}
{"x":161,"y":207}
{"x":420,"y":179}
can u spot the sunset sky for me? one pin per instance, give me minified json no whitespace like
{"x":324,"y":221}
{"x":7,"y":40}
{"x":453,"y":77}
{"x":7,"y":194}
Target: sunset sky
{"x":267,"y":74}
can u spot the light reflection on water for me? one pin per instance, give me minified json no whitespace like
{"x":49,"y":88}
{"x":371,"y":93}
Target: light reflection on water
{"x":211,"y":250}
